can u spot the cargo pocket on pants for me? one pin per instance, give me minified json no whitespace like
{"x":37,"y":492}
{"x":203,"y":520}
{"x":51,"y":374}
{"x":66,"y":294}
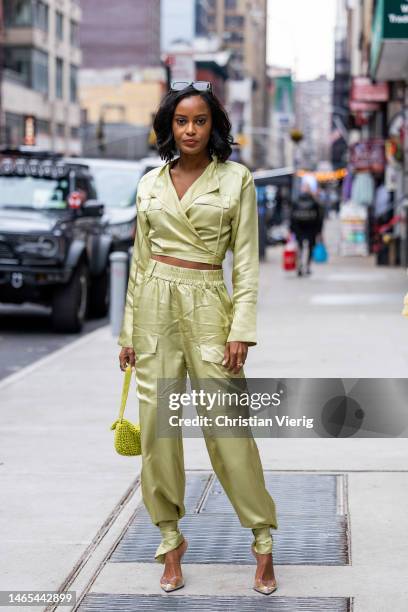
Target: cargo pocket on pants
{"x":146,"y":343}
{"x":212,"y":352}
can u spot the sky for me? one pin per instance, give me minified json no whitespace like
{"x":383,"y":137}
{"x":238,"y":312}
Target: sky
{"x":301,"y":36}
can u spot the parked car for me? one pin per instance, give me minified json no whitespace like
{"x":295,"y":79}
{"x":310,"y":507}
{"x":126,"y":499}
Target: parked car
{"x":150,"y":162}
{"x":116,"y":184}
{"x":54,"y":247}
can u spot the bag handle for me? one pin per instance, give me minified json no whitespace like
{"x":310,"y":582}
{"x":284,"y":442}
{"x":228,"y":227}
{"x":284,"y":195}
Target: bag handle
{"x":125,"y":390}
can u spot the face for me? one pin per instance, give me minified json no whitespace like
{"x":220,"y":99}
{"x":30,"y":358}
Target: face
{"x":191,"y":125}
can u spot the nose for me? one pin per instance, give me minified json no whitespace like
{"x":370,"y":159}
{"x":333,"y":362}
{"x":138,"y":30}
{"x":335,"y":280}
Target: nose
{"x":190,"y":129}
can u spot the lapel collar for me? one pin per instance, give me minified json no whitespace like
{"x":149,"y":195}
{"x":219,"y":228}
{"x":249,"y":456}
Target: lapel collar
{"x":164,"y":192}
{"x":206,"y":184}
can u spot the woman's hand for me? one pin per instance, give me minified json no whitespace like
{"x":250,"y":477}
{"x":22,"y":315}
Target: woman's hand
{"x":126,"y":356}
{"x":235,"y":355}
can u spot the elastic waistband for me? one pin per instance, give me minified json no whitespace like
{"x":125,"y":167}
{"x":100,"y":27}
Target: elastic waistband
{"x":192,"y":276}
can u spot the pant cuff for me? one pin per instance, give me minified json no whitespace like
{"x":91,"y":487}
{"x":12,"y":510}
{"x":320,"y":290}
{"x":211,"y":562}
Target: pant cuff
{"x":171,"y":539}
{"x":263,"y":540}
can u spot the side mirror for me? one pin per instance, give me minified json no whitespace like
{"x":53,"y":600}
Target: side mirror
{"x":93,"y":208}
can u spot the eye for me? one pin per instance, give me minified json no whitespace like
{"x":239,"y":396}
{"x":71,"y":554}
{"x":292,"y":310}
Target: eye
{"x":180,"y":121}
{"x":201,"y":121}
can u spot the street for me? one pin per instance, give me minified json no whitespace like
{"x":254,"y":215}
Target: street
{"x":26,"y":335}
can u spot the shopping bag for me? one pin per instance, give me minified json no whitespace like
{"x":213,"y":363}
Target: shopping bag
{"x":320,"y":254}
{"x":290,"y":252}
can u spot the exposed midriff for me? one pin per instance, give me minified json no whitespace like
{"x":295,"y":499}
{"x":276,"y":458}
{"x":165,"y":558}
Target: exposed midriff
{"x":184,"y":263}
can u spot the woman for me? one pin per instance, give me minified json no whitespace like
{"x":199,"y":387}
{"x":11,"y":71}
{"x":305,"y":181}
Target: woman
{"x":180,"y":319}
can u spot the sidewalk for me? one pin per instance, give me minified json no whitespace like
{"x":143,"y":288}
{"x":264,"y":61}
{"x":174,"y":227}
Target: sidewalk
{"x":69,"y":497}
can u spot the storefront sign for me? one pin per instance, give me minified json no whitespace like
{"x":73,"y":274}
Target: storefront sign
{"x":357,"y":106}
{"x":29,"y":130}
{"x":368,"y":155}
{"x":182,"y":66}
{"x":390,"y":26}
{"x":364,"y":90}
{"x":395,"y":19}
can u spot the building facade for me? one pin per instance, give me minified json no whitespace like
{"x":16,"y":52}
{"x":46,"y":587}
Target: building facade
{"x":41,"y":57}
{"x":281,"y":116}
{"x":117,"y":34}
{"x":313,"y":118}
{"x":377,"y":37}
{"x":341,"y":89}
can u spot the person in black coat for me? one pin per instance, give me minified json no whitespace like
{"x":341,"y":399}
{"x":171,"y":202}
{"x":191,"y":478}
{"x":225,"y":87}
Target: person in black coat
{"x":306,"y":222}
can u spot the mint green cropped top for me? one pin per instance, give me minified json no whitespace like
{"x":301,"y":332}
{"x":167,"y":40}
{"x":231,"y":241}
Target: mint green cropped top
{"x":218,"y":212}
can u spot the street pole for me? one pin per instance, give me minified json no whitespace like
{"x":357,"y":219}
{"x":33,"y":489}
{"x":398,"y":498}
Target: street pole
{"x":296,"y":136}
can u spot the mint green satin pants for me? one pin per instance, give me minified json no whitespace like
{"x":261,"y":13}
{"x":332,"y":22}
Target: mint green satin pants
{"x":181,"y":321}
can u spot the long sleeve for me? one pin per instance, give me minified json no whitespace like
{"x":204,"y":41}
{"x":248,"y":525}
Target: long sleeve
{"x":245,"y":271}
{"x":140,"y":258}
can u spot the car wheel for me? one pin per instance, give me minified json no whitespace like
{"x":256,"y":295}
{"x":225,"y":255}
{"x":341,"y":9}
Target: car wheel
{"x":69,"y":305}
{"x":99,"y":295}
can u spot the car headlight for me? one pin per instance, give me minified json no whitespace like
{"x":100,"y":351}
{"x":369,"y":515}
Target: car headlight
{"x":41,"y":246}
{"x":122,"y":231}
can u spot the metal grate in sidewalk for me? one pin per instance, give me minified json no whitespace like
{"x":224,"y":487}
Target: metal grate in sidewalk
{"x":312,"y":525}
{"x":306,"y":494}
{"x":105,"y":602}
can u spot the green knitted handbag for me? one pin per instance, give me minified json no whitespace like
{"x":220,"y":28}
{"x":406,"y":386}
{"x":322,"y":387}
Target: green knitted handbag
{"x":127,"y":435}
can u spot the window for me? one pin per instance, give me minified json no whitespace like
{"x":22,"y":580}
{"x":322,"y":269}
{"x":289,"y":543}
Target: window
{"x":59,"y":78}
{"x":73,"y":83}
{"x":18,"y":60}
{"x":40,"y":71}
{"x":74,"y":36}
{"x":31,"y":65}
{"x":235,"y":37}
{"x":60,"y":130}
{"x":41,"y":15}
{"x":14,"y":129}
{"x":59,"y":25}
{"x":116,"y":186}
{"x":74,"y":132}
{"x":234,"y":21}
{"x":84,"y":185}
{"x":18,"y":13}
{"x":33,"y":192}
{"x":43,"y":126}
{"x":230,"y":4}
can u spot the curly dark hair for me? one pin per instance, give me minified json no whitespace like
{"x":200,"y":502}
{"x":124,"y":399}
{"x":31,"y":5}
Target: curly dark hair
{"x":220,"y":139}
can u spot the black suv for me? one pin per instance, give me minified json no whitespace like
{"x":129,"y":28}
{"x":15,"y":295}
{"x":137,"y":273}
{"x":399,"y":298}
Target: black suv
{"x":54,"y":248}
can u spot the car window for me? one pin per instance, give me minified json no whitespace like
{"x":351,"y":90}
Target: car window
{"x":82,"y":184}
{"x":116,"y":187}
{"x":33,"y":192}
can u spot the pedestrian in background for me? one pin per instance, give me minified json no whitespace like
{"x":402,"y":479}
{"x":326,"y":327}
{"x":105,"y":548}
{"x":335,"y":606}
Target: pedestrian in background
{"x":306,"y":221}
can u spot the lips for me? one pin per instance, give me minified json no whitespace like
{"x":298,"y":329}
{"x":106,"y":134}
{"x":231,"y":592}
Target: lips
{"x":190,"y":142}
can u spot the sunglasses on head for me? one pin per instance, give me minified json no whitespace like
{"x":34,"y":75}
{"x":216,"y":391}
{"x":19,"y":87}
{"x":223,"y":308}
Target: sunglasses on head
{"x":198,"y":85}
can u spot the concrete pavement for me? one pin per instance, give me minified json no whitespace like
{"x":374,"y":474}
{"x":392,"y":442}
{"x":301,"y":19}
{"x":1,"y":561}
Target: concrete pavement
{"x":67,"y":496}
